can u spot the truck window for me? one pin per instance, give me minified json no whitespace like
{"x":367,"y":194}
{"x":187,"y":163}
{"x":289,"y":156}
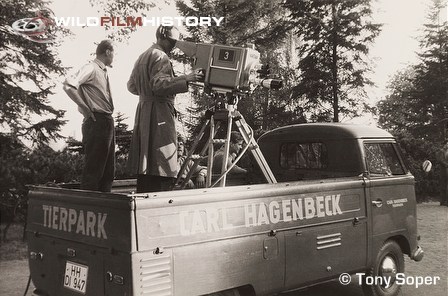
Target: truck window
{"x":303,"y":156}
{"x":382,"y":159}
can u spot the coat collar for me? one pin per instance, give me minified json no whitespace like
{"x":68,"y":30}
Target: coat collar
{"x":100,"y":64}
{"x":157,"y":46}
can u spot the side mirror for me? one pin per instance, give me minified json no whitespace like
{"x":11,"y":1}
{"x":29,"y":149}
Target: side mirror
{"x":427,"y":166}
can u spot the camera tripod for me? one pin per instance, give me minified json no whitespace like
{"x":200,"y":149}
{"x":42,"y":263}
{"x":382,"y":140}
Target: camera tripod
{"x":214,"y":119}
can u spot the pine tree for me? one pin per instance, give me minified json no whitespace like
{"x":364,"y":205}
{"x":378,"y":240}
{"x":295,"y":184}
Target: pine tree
{"x":335,"y":35}
{"x":27,"y":69}
{"x":74,"y":146}
{"x":26,"y":72}
{"x":431,"y":80}
{"x":418,"y":98}
{"x":417,"y":105}
{"x":249,"y":21}
{"x":122,"y":136}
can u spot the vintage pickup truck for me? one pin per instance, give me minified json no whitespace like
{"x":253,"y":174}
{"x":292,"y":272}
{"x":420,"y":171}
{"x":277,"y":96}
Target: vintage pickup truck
{"x":344,"y":204}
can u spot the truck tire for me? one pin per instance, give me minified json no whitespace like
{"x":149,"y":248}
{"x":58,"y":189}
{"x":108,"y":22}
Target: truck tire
{"x":389,"y":261}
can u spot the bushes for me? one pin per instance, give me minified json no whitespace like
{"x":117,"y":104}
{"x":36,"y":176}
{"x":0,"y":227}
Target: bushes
{"x":415,"y":152}
{"x":21,"y":166}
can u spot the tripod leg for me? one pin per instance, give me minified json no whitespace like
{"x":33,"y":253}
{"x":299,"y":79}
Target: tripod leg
{"x":255,"y":149}
{"x":210,"y":153}
{"x":190,"y":153}
{"x":192,"y":170}
{"x":225,"y":158}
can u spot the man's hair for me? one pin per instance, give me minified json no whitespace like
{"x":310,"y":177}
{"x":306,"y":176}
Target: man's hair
{"x":164,"y":31}
{"x":236,"y":137}
{"x":103,"y":46}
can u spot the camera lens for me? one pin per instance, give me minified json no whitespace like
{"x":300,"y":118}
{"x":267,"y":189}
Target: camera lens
{"x":272,"y":83}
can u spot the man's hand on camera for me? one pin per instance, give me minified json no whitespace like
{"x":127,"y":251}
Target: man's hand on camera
{"x":196,"y":75}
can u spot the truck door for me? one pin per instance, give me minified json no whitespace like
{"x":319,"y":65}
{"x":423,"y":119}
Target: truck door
{"x":324,"y":247}
{"x":391,"y":189}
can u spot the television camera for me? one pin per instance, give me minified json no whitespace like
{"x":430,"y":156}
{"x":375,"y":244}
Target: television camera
{"x":229,"y":69}
{"x":229,"y":73}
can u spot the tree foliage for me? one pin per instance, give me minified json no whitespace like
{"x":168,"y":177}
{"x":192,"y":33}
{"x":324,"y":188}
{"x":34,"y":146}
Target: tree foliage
{"x":431,"y":79}
{"x":252,"y":22}
{"x":21,"y":166}
{"x":399,"y":111}
{"x":335,"y":37}
{"x":418,"y":97}
{"x":26,"y":72}
{"x":249,"y":21}
{"x":122,"y":9}
{"x":417,"y":103}
{"x":123,"y":143}
{"x":122,"y":136}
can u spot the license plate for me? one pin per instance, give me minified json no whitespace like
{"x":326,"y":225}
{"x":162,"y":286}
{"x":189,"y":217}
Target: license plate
{"x":75,"y":277}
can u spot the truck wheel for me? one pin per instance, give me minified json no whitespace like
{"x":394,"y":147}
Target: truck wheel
{"x":389,"y":261}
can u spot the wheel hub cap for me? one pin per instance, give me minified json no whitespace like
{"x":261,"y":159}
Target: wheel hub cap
{"x":388,"y":269}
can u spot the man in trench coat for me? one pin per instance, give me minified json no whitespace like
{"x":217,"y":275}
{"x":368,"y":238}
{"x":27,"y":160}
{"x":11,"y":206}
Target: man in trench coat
{"x":153,"y":153}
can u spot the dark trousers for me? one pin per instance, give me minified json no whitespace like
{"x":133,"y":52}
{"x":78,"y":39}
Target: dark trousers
{"x":98,"y":138}
{"x":149,"y":183}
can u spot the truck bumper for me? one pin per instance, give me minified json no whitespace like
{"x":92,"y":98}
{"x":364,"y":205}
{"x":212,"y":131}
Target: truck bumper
{"x":417,"y":254}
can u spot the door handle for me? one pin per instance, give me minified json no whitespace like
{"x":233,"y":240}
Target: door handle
{"x":378,"y":203}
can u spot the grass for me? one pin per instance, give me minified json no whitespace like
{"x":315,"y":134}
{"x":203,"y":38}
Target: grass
{"x":14,"y":247}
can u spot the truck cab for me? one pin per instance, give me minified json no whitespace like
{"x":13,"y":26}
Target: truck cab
{"x":385,"y":206}
{"x":344,"y":203}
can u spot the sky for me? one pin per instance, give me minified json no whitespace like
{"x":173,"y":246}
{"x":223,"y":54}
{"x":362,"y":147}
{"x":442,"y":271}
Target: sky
{"x":394,"y":49}
{"x":396,"y":46}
